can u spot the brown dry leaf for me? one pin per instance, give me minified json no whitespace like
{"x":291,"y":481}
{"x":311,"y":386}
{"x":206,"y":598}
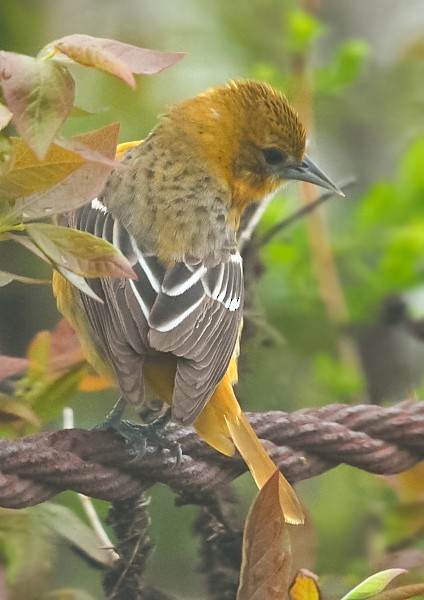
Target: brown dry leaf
{"x":117,"y":58}
{"x":305,"y":586}
{"x":40,"y":94}
{"x":266,"y":564}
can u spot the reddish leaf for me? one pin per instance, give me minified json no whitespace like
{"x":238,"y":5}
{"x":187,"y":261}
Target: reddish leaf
{"x":63,"y":181}
{"x":5,"y":116}
{"x":65,"y":348}
{"x":11,"y":365}
{"x":80,"y":252}
{"x":265,"y":571}
{"x":117,"y":58}
{"x":40,"y":94}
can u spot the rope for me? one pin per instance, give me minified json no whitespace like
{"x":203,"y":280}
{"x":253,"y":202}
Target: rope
{"x":303,"y":444}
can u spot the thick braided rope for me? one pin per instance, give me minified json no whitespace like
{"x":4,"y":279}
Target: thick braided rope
{"x":303,"y":444}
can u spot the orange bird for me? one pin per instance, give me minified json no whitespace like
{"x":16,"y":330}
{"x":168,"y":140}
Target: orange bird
{"x":174,"y":212}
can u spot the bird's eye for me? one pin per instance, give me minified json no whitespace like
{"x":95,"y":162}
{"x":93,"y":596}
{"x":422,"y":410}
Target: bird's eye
{"x":274,"y":156}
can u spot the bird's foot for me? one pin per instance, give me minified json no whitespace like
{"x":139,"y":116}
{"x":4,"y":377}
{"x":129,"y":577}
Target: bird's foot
{"x":138,"y":436}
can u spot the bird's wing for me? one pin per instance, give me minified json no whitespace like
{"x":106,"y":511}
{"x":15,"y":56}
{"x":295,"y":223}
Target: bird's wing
{"x":192,"y":311}
{"x":197,"y":317}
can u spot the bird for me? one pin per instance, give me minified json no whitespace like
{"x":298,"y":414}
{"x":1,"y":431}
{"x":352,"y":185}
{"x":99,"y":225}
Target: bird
{"x":174,"y":211}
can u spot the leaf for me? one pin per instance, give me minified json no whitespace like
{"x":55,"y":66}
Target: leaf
{"x":303,"y":29}
{"x":15,"y":410}
{"x":65,"y":350}
{"x":5,"y":116}
{"x":79,"y":282}
{"x":82,"y":253}
{"x":29,"y":541}
{"x":62,"y":182}
{"x":51,"y":353}
{"x":65,"y":523}
{"x":28,"y":175}
{"x":403,"y":593}
{"x":409,"y":484}
{"x":345,"y":68}
{"x":70,"y":594}
{"x":28,"y":551}
{"x":266,"y":563}
{"x":373,"y":585}
{"x":11,"y":365}
{"x":49,"y":398}
{"x":40,"y":94}
{"x":305,"y":586}
{"x":117,"y":58}
{"x":6,"y":278}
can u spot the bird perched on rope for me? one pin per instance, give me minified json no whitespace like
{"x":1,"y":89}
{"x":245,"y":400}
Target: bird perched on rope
{"x":174,"y":211}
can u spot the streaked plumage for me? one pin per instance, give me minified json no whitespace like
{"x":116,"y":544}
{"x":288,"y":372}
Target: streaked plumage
{"x":174,"y":212}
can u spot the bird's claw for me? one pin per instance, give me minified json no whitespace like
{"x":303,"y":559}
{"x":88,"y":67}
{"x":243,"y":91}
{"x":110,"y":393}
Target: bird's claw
{"x":138,"y":435}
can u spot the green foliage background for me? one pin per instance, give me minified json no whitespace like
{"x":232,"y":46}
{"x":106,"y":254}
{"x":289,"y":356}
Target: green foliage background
{"x":364,"y":62}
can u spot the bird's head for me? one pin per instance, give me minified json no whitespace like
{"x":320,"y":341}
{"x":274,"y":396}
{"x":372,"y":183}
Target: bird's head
{"x":250,"y":137}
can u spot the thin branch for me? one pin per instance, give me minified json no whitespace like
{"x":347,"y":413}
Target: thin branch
{"x":302,"y":212}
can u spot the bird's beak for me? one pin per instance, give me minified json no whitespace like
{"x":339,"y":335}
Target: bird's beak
{"x":308,"y":171}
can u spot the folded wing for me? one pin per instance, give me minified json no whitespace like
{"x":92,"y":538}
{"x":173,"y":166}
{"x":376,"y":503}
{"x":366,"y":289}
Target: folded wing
{"x":192,"y":311}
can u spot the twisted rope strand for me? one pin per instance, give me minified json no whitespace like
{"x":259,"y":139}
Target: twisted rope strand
{"x":303,"y":444}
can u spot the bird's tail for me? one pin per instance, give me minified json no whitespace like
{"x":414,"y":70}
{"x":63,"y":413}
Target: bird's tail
{"x":223,"y":425}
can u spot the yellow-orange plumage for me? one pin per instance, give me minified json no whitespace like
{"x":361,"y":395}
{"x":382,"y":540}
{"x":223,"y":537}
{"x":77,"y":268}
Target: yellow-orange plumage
{"x":176,"y":208}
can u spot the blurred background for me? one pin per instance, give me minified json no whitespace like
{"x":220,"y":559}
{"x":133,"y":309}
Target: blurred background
{"x":336,"y":301}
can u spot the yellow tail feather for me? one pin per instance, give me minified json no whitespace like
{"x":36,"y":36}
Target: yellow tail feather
{"x":223,"y":425}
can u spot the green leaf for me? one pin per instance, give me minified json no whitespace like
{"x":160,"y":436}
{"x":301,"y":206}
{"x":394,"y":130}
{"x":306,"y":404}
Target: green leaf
{"x":82,"y":253}
{"x":303,"y":29}
{"x":40,"y":94}
{"x":373,"y":585}
{"x":66,"y":525}
{"x":28,"y":544}
{"x":16,"y":410}
{"x":28,"y":551}
{"x":345,"y":68}
{"x":49,"y":398}
{"x":403,"y":592}
{"x":79,"y":282}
